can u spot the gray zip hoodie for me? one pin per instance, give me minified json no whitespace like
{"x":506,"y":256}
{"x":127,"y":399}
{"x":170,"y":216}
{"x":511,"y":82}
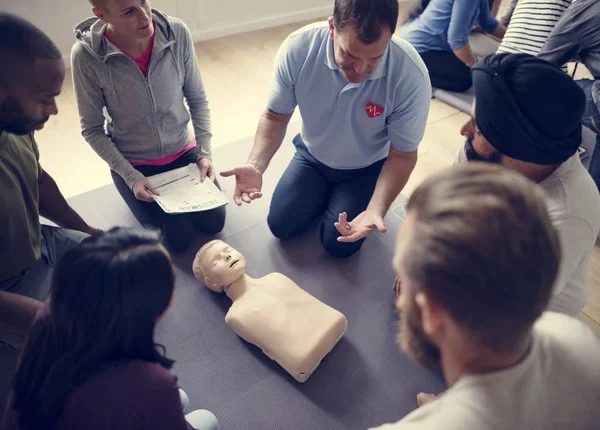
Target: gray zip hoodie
{"x":126,"y":116}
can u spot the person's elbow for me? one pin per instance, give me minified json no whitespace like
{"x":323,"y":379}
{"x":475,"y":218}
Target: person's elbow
{"x":492,"y":25}
{"x":458,"y":42}
{"x":403,"y":158}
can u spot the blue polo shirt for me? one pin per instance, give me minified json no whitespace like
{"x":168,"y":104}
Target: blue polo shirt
{"x":347,"y":125}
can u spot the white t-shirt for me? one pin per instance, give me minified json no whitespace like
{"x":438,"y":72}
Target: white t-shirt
{"x":556,"y":387}
{"x":531,"y":25}
{"x":574,"y":207}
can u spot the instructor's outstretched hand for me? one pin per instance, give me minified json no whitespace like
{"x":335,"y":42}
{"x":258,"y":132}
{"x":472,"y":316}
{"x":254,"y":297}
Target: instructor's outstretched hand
{"x":248,"y":183}
{"x":360,"y":227}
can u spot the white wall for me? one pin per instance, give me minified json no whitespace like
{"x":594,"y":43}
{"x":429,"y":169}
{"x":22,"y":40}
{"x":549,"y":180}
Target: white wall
{"x":206,"y":18}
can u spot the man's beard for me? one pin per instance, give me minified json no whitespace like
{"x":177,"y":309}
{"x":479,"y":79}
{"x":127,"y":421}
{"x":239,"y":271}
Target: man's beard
{"x":14,"y":120}
{"x":472,"y":155}
{"x":413,"y":340}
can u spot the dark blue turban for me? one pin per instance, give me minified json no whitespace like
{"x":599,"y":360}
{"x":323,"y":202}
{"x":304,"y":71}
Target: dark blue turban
{"x":527,"y":108}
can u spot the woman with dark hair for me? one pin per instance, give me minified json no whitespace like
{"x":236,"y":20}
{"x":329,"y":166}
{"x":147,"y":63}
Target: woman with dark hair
{"x":439,"y":31}
{"x":90,"y":361}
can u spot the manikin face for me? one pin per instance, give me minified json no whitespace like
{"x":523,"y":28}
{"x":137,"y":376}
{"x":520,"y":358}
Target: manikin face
{"x":221,"y":265}
{"x":411,"y":335}
{"x":130,"y":19}
{"x":355,"y":59}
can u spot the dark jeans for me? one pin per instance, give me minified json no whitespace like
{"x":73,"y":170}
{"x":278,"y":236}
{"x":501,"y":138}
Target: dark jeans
{"x":591,"y":119}
{"x":446,"y":71}
{"x":309,"y":189}
{"x":178,"y":230}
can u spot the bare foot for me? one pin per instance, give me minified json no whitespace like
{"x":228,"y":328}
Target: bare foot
{"x":424,"y":398}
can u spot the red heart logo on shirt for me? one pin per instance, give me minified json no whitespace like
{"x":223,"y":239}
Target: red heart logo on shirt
{"x":373,"y":110}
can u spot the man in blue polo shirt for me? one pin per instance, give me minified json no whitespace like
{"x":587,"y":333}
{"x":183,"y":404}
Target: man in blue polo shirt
{"x":364,"y":98}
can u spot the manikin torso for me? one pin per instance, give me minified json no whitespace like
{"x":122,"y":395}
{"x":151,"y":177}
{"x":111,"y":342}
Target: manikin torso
{"x":291,"y":326}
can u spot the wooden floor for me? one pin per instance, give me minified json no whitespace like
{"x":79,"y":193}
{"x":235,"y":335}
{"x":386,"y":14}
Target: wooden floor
{"x":236,"y":72}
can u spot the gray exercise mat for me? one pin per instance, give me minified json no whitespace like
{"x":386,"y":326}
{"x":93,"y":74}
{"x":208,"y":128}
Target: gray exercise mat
{"x":460,"y":101}
{"x":365,"y":381}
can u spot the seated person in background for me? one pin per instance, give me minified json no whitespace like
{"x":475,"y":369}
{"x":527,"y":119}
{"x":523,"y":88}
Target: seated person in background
{"x":478,"y":256}
{"x":90,"y":360}
{"x":508,"y":13}
{"x":518,"y":123}
{"x":440,"y":33}
{"x":577,"y":35}
{"x":364,"y":97}
{"x":291,"y":326}
{"x":31,"y":76}
{"x":531,"y":24}
{"x":134,"y":69}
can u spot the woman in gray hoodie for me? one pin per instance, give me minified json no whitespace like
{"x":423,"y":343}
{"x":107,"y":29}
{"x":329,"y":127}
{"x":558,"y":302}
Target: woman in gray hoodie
{"x":133,"y":70}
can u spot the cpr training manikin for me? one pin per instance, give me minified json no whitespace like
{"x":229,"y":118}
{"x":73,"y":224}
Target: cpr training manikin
{"x":292,"y":327}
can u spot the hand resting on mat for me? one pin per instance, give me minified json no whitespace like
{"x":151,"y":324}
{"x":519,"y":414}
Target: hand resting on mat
{"x":248,"y":183}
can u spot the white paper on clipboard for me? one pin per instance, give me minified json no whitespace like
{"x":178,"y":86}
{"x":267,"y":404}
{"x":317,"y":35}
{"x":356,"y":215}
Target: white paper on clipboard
{"x":182,"y":192}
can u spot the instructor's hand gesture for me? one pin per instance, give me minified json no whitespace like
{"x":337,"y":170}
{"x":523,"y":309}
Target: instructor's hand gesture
{"x":248,"y":183}
{"x":360,"y":227}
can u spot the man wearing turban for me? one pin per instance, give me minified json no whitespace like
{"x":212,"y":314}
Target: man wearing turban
{"x":526,"y":116}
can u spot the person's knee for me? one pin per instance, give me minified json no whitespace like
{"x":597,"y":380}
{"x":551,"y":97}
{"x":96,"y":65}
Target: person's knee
{"x":177,"y":236}
{"x":203,"y":420}
{"x":329,"y":236}
{"x":214,"y":223}
{"x":282,"y":223}
{"x":279,"y":226}
{"x":463,"y":84}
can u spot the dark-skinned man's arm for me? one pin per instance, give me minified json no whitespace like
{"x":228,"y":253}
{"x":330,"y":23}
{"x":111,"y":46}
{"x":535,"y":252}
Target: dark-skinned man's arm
{"x":54,"y":206}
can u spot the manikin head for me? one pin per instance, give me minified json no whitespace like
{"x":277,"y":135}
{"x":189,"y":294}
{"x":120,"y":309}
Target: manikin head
{"x":361,"y":31}
{"x":477,"y":258}
{"x":217,"y":265}
{"x":515,"y":121}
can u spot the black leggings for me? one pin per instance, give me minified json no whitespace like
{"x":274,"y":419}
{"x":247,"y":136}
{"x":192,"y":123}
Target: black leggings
{"x":178,"y":229}
{"x":446,"y":71}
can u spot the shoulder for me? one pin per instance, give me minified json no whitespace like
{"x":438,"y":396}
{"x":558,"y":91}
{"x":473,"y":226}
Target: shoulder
{"x":580,"y":12}
{"x":568,"y":347}
{"x":406,"y":60}
{"x":143,"y":376}
{"x":153,"y":372}
{"x":448,"y":412}
{"x":79,"y":52}
{"x":179,"y":26}
{"x":565,"y":335}
{"x":306,"y":38}
{"x":571,"y":193}
{"x":22,"y":141}
{"x":276,"y":276}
